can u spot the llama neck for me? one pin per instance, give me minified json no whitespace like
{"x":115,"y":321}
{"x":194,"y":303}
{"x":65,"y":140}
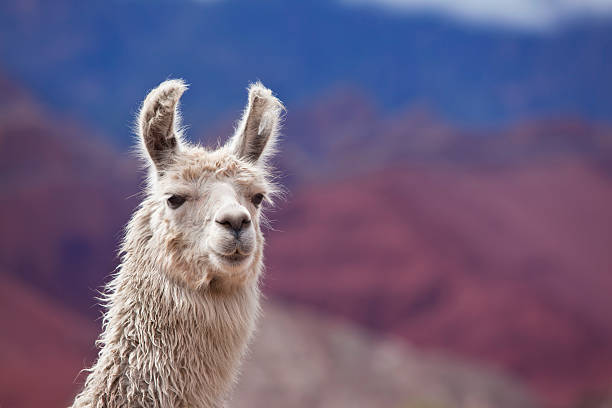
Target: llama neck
{"x":167,"y":345}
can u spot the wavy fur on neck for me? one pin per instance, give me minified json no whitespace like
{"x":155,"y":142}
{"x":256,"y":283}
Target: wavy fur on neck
{"x":164,"y":344}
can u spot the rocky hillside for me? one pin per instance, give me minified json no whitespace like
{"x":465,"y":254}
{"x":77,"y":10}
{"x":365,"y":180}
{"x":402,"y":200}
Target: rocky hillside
{"x":302,"y":360}
{"x":298,"y":359}
{"x":509,"y":265}
{"x":43,"y":347}
{"x":64,"y":196}
{"x":492,"y":248}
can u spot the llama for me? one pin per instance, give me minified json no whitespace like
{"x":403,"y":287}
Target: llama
{"x":184,"y":302}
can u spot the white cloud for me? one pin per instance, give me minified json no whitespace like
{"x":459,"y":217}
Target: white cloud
{"x":528,"y":14}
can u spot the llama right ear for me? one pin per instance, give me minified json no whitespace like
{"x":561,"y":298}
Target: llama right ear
{"x":256,"y":133}
{"x":159,"y":122}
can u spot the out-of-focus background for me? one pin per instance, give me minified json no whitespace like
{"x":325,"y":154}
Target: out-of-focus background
{"x":447,"y":236}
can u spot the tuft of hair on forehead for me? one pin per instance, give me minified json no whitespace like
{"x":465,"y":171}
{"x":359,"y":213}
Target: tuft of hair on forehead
{"x":257,"y":131}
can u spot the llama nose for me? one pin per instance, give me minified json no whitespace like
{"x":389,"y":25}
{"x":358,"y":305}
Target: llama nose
{"x":234,"y":220}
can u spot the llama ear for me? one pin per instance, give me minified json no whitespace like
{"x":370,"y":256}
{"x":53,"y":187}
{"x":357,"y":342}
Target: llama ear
{"x":159,"y":122}
{"x":256,"y":133}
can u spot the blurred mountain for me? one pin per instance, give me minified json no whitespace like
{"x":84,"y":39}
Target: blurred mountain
{"x":96,"y":59}
{"x":44,"y":345}
{"x":508,"y":264}
{"x":64,"y":199}
{"x":493,"y":244}
{"x":343,"y":133}
{"x":298,"y":359}
{"x":494,"y":248}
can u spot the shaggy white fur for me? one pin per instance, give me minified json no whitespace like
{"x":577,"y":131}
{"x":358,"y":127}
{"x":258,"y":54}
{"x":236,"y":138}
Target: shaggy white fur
{"x":183,"y":305}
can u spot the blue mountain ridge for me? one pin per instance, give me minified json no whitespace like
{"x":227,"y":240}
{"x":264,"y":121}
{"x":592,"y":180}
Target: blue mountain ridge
{"x":95,"y":60}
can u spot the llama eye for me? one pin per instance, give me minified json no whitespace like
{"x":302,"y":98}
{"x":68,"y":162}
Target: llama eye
{"x":257,"y":199}
{"x":175,"y":201}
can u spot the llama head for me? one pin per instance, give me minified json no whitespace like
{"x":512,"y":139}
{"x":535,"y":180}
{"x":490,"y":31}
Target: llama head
{"x":205,"y":205}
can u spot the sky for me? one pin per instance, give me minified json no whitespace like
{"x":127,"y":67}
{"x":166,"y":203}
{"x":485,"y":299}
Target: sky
{"x":521,"y":14}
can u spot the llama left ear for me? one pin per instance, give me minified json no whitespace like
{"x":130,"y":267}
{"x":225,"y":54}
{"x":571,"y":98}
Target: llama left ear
{"x":158,"y":122}
{"x":256,"y":133}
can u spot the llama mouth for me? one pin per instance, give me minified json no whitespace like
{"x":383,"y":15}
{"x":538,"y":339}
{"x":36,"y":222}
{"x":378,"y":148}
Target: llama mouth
{"x":235,"y":258}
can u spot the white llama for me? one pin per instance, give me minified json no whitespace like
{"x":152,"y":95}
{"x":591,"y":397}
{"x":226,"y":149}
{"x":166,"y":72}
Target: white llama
{"x":183,"y":305}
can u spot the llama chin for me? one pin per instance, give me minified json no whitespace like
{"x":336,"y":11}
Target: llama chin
{"x":183,"y":305}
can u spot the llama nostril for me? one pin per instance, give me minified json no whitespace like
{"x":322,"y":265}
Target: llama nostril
{"x":226,"y":224}
{"x":234,"y":221}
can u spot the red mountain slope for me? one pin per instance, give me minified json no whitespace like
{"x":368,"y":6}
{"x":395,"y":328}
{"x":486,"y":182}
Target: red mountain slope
{"x":297,"y":359}
{"x":43,"y":347}
{"x":63,"y":195}
{"x":509,"y":265}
